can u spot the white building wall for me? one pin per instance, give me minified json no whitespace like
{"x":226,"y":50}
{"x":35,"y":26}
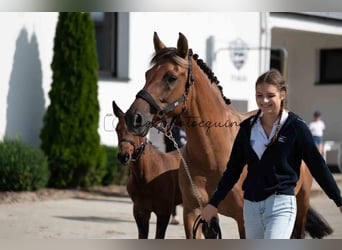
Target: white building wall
{"x":26,"y":53}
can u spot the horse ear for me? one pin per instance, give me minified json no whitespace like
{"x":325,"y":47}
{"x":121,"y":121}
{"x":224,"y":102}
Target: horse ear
{"x":182,"y":46}
{"x":117,"y":111}
{"x":158,"y":45}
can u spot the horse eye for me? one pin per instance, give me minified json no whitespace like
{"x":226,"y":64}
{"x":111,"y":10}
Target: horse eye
{"x":170,"y":78}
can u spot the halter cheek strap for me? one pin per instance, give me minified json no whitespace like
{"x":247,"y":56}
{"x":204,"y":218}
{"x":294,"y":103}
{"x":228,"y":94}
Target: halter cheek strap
{"x":172,"y":106}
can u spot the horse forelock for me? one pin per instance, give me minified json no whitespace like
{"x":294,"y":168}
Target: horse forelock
{"x":168,"y":54}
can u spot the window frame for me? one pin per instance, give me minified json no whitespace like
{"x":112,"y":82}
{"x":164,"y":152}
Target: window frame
{"x":115,"y":45}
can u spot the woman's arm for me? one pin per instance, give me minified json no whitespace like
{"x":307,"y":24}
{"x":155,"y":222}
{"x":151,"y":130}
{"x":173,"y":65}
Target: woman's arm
{"x":317,"y":165}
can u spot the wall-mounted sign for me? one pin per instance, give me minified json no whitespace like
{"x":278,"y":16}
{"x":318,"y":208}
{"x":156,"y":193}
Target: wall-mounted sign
{"x":238,"y":52}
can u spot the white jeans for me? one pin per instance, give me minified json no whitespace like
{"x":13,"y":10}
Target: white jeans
{"x":272,"y":218}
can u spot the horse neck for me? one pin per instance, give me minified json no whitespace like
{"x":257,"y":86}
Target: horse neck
{"x":147,"y":166}
{"x":210,"y":123}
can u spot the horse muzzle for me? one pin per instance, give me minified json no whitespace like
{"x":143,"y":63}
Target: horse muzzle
{"x":124,"y":158}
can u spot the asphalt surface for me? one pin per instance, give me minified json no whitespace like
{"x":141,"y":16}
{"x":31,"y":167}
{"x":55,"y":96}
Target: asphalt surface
{"x":110,"y":217}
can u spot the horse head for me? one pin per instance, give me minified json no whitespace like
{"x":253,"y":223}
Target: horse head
{"x":130,"y":146}
{"x":166,"y":88}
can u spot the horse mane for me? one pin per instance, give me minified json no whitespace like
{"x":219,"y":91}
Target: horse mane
{"x":206,"y":69}
{"x":171,"y":54}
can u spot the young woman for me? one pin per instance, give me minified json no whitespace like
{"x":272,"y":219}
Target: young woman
{"x":272,"y":143}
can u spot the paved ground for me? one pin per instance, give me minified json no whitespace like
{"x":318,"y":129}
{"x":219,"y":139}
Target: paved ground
{"x":110,"y":217}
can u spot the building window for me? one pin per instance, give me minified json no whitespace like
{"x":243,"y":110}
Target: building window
{"x":330,"y":61}
{"x":111,"y":34}
{"x":279,"y":60}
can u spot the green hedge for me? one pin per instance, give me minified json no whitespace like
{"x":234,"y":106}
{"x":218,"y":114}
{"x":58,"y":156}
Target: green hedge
{"x":22,"y":167}
{"x":116,"y":173}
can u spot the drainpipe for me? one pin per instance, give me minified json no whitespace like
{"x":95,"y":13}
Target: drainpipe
{"x":265,"y":42}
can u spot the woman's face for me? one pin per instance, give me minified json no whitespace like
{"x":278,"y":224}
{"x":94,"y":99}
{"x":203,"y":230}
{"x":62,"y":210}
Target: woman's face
{"x":269,"y":98}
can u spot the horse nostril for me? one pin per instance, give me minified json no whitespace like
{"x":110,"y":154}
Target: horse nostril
{"x":127,"y":157}
{"x":120,"y":158}
{"x":123,"y":158}
{"x":137,"y":122}
{"x":133,"y":120}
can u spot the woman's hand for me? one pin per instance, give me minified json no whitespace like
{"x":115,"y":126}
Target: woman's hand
{"x":209,"y":211}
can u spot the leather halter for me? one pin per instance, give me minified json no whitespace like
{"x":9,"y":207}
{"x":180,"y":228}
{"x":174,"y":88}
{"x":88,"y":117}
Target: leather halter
{"x":137,"y":151}
{"x":143,"y":94}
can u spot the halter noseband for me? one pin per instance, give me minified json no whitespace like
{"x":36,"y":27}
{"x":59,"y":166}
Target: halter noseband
{"x":137,"y":151}
{"x":143,"y":94}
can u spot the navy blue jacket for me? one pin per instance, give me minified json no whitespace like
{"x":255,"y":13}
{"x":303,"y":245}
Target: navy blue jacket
{"x":278,"y":169}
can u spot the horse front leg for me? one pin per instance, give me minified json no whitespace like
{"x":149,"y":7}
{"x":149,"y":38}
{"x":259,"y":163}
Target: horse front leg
{"x":241,"y":226}
{"x":232,"y":206}
{"x":238,"y":216}
{"x":189,"y":217}
{"x":162,"y":223}
{"x":191,"y":206}
{"x":304,"y":185}
{"x":142,"y":219}
{"x":303,"y":204}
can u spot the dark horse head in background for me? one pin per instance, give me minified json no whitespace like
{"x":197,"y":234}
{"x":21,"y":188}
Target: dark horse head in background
{"x":130,"y":146}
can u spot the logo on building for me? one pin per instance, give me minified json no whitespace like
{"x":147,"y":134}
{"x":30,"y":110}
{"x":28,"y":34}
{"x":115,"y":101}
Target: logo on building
{"x":238,"y":52}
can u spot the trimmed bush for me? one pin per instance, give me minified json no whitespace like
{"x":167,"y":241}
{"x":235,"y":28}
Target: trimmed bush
{"x":22,"y":167}
{"x":69,"y":135}
{"x":116,"y":173}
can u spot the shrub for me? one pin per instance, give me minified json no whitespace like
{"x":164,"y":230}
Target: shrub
{"x":116,"y":173}
{"x":69,"y":135}
{"x":22,"y":167}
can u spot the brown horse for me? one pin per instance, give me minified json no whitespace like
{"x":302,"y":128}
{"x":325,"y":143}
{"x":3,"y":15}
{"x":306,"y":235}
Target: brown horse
{"x":153,"y":179}
{"x":178,"y":84}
